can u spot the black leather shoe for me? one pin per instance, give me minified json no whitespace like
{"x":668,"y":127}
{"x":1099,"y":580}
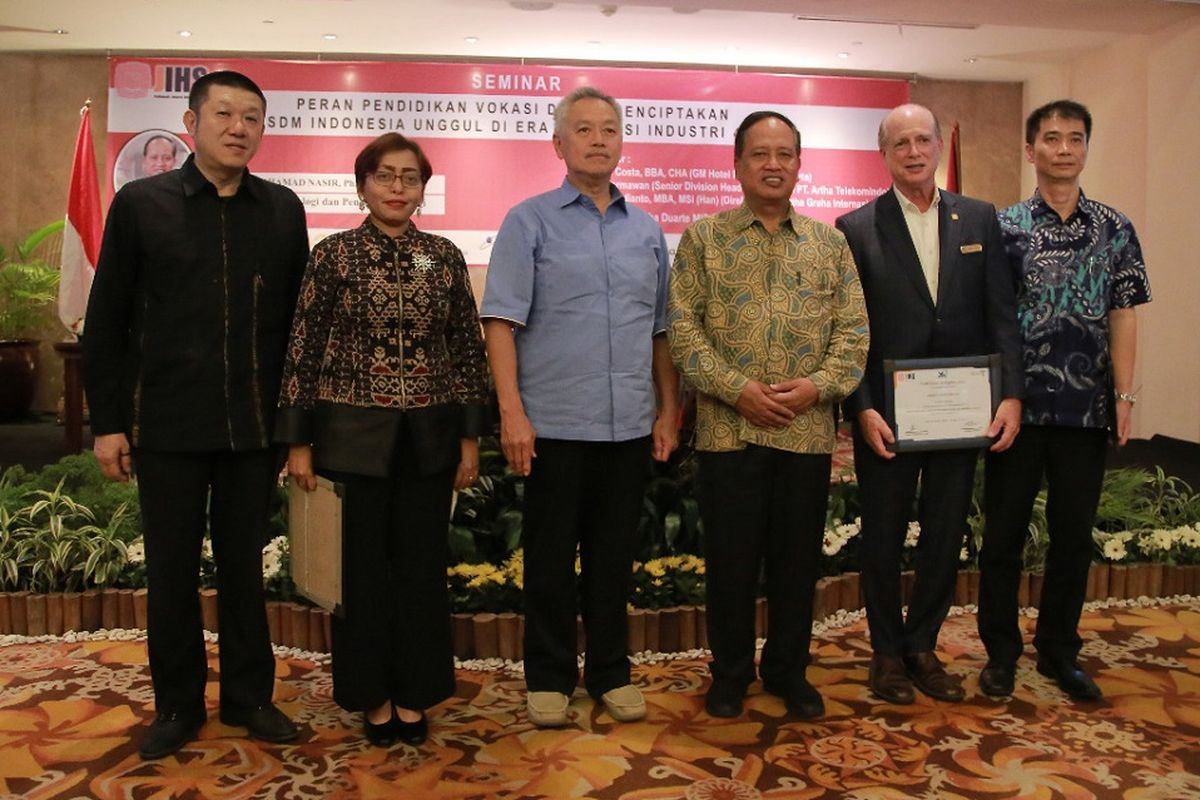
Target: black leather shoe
{"x":724,"y":700}
{"x":413,"y":733}
{"x":997,"y":680}
{"x":1070,"y":678}
{"x":380,"y":734}
{"x":801,"y":698}
{"x":889,"y":681}
{"x":930,"y":677}
{"x":169,"y":732}
{"x":265,"y":723}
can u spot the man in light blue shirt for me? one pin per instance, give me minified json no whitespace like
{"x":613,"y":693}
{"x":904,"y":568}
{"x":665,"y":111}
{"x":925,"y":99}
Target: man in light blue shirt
{"x":574,"y":320}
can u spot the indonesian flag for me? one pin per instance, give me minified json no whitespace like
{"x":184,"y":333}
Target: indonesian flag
{"x":953,"y":167}
{"x":81,"y":236}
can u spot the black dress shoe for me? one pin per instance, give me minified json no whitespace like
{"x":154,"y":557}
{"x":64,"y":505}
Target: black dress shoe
{"x":265,"y":723}
{"x":801,"y":698}
{"x":380,"y":734}
{"x":889,"y":681}
{"x":997,"y":680}
{"x":724,"y":700}
{"x":1070,"y":678}
{"x":413,"y":733}
{"x":930,"y":677}
{"x":169,"y":732}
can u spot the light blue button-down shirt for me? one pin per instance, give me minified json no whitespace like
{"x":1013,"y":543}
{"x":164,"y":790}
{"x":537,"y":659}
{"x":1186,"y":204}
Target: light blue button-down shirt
{"x":587,"y":293}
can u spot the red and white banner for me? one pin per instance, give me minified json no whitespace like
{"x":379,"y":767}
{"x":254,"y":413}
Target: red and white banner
{"x":486,"y":129}
{"x":82,"y":233}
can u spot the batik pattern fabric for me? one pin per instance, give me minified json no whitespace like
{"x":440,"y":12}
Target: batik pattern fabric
{"x":747,"y":304}
{"x":1070,"y":274}
{"x":385,"y":322}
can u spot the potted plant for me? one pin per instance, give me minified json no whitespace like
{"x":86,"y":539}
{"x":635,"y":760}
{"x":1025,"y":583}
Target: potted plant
{"x":28,"y":285}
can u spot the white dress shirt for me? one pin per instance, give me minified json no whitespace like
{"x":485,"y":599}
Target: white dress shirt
{"x":923,"y":228}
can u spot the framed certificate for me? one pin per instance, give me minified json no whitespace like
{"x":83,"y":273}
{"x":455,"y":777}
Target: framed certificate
{"x":315,"y":539}
{"x":941,"y":403}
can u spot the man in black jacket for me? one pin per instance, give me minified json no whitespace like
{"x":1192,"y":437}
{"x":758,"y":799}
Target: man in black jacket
{"x":185,"y":333}
{"x":937,"y":284}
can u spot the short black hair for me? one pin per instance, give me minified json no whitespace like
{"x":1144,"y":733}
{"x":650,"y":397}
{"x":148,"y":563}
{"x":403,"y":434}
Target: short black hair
{"x":1066,"y":109}
{"x":368,"y":160}
{"x":224,"y":77}
{"x":753,"y":118}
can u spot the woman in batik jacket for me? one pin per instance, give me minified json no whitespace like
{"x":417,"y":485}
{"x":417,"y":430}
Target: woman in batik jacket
{"x":384,"y":392}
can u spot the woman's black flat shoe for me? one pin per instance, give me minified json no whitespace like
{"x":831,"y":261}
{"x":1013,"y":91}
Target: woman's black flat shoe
{"x":413,"y":733}
{"x":383,"y":734}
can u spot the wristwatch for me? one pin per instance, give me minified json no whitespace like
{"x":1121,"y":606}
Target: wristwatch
{"x":1128,"y":397}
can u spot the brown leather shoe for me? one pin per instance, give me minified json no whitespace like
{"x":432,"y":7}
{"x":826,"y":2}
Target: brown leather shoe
{"x":889,"y":682}
{"x":931,"y":677}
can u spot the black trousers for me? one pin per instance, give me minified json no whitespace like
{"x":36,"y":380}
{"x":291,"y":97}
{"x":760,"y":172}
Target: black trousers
{"x":179,"y":493}
{"x":393,"y":642}
{"x":585,"y":495}
{"x":1072,"y":462}
{"x":760,"y":504}
{"x":887,"y":489}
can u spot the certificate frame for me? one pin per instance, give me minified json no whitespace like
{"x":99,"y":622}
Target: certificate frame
{"x":909,"y":365}
{"x":315,"y":522}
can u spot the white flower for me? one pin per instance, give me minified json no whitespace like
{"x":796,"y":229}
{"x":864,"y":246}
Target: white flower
{"x":273,"y":556}
{"x":1190,"y":537}
{"x":913,"y":534}
{"x":963,"y":555}
{"x":136,"y":552}
{"x":1114,"y":550}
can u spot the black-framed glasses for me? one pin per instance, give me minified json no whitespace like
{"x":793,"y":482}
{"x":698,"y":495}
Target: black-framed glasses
{"x":386,"y":179}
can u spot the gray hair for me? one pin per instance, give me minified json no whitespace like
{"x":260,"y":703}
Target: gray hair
{"x":582,"y":93}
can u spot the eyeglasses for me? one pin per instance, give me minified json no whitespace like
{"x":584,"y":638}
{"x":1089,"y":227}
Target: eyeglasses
{"x":386,"y":180}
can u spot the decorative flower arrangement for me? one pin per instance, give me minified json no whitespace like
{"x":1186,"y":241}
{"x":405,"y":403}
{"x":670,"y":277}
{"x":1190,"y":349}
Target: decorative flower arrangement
{"x":668,"y":581}
{"x":1179,"y":545}
{"x":487,"y":586}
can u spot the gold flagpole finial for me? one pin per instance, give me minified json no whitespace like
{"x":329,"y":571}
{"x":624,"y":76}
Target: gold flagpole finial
{"x":87,"y":104}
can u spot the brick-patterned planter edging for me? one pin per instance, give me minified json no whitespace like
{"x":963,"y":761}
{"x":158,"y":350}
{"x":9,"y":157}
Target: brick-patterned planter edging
{"x":499,"y":636}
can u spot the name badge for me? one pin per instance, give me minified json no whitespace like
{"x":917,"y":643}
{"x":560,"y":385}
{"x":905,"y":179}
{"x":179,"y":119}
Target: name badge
{"x":971,"y":248}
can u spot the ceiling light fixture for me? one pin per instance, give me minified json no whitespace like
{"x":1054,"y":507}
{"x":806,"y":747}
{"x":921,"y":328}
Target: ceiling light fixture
{"x":185,"y":34}
{"x":843,"y":54}
{"x":329,"y":37}
{"x":60,"y":31}
{"x":471,"y":39}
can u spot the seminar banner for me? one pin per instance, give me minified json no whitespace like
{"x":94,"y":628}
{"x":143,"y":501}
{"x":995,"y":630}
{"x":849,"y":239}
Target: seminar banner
{"x":487,"y":127}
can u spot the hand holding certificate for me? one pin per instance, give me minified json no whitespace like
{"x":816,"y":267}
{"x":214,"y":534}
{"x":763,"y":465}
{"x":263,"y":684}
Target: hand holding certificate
{"x":941,"y":403}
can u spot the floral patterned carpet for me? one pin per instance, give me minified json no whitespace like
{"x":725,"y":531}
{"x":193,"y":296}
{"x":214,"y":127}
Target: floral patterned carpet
{"x":71,"y":714}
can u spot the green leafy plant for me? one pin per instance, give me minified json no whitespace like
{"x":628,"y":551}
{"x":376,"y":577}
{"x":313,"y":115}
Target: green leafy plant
{"x":27,"y":285}
{"x":486,"y":524}
{"x":80,"y":478}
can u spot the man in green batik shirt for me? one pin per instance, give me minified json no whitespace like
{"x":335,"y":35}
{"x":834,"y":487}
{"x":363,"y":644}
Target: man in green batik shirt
{"x":767,"y":322}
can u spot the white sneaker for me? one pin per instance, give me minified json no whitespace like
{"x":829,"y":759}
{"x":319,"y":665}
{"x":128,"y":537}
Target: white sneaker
{"x":625,"y":703}
{"x":547,"y":709}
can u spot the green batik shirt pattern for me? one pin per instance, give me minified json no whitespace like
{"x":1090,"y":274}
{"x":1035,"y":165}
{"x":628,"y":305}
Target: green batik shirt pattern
{"x":746,"y":304}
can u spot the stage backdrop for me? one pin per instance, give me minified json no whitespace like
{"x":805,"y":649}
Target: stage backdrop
{"x":486,"y":128}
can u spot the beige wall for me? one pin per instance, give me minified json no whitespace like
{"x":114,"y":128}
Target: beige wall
{"x":43,"y":95}
{"x":989,"y":119}
{"x":1144,"y":95}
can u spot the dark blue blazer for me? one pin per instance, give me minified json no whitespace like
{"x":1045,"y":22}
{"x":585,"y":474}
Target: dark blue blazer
{"x":975,"y":313}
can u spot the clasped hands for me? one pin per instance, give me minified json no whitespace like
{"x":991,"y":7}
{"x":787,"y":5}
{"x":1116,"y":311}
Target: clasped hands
{"x":775,"y":405}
